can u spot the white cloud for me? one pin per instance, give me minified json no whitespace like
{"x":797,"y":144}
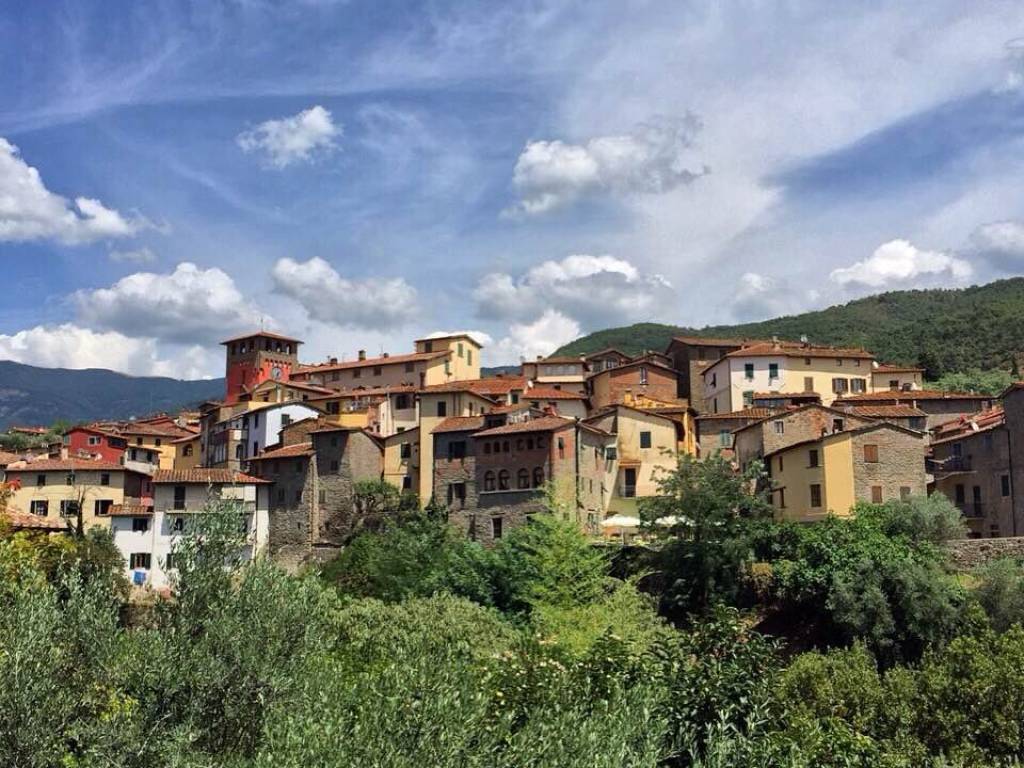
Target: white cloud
{"x":293,"y":139}
{"x":330,"y":298}
{"x":541,"y":337}
{"x":656,"y":157}
{"x":142,"y":255}
{"x":189,"y":305}
{"x":900,"y":264}
{"x":596,"y":290}
{"x":1001,"y":244}
{"x":71,"y":346}
{"x":29,"y":211}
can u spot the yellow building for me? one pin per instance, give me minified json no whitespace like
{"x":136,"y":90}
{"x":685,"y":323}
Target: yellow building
{"x":54,"y":489}
{"x":155,"y":437}
{"x":892,"y":378}
{"x":402,"y":460}
{"x":813,"y":479}
{"x":186,"y":452}
{"x":731,"y":382}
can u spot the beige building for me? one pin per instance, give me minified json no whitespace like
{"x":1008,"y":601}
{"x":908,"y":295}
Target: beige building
{"x":896,"y":378}
{"x":565,"y":373}
{"x":830,"y":475}
{"x":782,"y":367}
{"x":402,"y":460}
{"x":715,"y":430}
{"x":57,"y":488}
{"x":187,"y":452}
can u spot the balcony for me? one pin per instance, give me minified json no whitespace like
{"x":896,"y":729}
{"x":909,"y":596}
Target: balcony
{"x":973,"y":509}
{"x":950,"y":464}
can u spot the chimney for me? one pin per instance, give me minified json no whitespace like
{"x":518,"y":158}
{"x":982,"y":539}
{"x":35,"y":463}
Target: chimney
{"x":362,"y":354}
{"x":775,"y":342}
{"x":333,"y":361}
{"x":386,"y":355}
{"x":804,"y":340}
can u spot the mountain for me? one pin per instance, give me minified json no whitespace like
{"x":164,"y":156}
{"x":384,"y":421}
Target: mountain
{"x":30,"y":395}
{"x":943,"y":330}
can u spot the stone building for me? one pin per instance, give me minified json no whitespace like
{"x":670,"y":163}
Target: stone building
{"x":938,"y":406}
{"x":690,"y":356}
{"x":1013,"y":407}
{"x":715,"y":430}
{"x":648,"y":377}
{"x":971,"y":465}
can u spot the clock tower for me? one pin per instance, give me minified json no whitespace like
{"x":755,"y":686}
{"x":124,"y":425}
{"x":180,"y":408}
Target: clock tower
{"x":256,"y":357}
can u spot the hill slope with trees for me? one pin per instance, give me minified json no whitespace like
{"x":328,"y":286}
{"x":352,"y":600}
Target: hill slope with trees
{"x":945,"y":331}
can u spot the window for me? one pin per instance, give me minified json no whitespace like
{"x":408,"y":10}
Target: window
{"x":748,"y":371}
{"x":629,"y":483}
{"x":904,"y":492}
{"x":442,"y":408}
{"x":540,"y":442}
{"x":487,"y":448}
{"x":645,"y":439}
{"x":178,"y":523}
{"x":714,"y":380}
{"x":461,"y":350}
{"x":69,"y":507}
{"x":172,"y":562}
{"x":428,"y":346}
{"x":179,"y":497}
{"x":94,"y":440}
{"x":1004,"y":485}
{"x":503,"y":480}
{"x":101,"y":507}
{"x":643,"y":375}
{"x":748,"y":398}
{"x":808,"y":383}
{"x":405,"y":451}
{"x":488,"y":480}
{"x":839,"y":362}
{"x":406,"y":483}
{"x":959,"y":494}
{"x":782,"y":498}
{"x":457,"y":492}
{"x":812,"y":457}
{"x":158,"y":442}
{"x":876,"y":494}
{"x":138,"y":441}
{"x":815,"y":495}
{"x":322,"y":497}
{"x":357,"y":373}
{"x":840,"y":386}
{"x":457,"y":449}
{"x":506,"y":446}
{"x":519,"y":444}
{"x":469,"y":356}
{"x":858,"y":385}
{"x":724,"y":438}
{"x":447,"y":368}
{"x":523,"y":478}
{"x":40,"y":481}
{"x":561,"y":447}
{"x":410,"y":367}
{"x":40,"y":507}
{"x":871,"y":453}
{"x":105,"y":478}
{"x":538,"y":477}
{"x":780,"y":463}
{"x":779,"y":427}
{"x":773,"y":371}
{"x":838,"y":425}
{"x":496,"y":527}
{"x":402,"y":402}
{"x":187,"y":451}
{"x":376,"y":370}
{"x":140,"y":524}
{"x":140,"y":561}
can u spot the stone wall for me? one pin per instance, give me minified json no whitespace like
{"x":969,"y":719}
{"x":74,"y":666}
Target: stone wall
{"x":290,"y":499}
{"x":447,"y":471}
{"x":343,"y":458}
{"x":970,"y":553}
{"x":1013,"y":404}
{"x":900,"y":464}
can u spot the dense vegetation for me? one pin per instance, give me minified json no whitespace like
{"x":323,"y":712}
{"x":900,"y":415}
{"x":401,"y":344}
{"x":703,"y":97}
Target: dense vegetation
{"x":848,"y":643}
{"x":945,"y":331}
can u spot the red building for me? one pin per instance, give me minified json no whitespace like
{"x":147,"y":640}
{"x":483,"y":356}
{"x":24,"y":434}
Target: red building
{"x":86,"y":441}
{"x":255,"y":358}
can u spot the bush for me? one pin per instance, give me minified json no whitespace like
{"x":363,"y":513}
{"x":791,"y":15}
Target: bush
{"x":1000,"y":591}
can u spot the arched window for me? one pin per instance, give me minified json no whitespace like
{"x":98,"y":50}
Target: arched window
{"x":506,"y":447}
{"x":523,"y":478}
{"x":238,"y":451}
{"x":503,"y":480}
{"x":538,"y":477}
{"x":488,"y":480}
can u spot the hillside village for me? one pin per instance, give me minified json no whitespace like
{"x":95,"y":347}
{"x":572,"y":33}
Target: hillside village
{"x":291,"y":440}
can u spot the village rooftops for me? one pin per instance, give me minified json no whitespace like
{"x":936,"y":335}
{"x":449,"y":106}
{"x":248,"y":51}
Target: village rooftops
{"x":368,"y":362}
{"x":543,"y":424}
{"x":550,"y":393}
{"x":261,"y":334}
{"x":22,"y":521}
{"x":605,"y":352}
{"x":797,"y":349}
{"x":886,"y":368}
{"x":130,"y":509}
{"x":965,"y":426}
{"x":357,"y":392}
{"x":285,"y":452}
{"x":647,"y":361}
{"x":570,"y":359}
{"x":711,"y":341}
{"x":446,"y":336}
{"x":746,"y":413}
{"x":459,"y":424}
{"x":899,"y":396}
{"x":202,"y":476}
{"x":899,"y":411}
{"x":67,"y":465}
{"x":489,"y":387}
{"x":846,"y":433}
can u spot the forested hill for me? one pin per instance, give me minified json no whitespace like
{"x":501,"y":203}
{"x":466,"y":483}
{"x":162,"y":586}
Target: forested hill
{"x":30,"y":395}
{"x":943,"y":330}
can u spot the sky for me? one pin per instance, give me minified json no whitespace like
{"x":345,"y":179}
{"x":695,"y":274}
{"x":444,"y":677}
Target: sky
{"x":362,"y":173}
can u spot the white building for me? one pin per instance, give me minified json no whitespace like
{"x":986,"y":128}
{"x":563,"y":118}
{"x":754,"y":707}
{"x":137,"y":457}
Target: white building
{"x":146,"y":535}
{"x":262,"y":427}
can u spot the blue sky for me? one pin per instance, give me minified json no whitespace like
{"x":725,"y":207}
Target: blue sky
{"x":363,"y":173}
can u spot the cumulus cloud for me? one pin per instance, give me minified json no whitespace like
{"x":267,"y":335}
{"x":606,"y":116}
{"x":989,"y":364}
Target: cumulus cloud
{"x":539,"y":337}
{"x":71,"y":346}
{"x":29,"y":211}
{"x":900,"y":264}
{"x":330,"y":298}
{"x":1000,"y":243}
{"x":289,"y":140}
{"x":137,"y":256}
{"x":656,"y":157}
{"x":189,"y":305}
{"x":596,"y":290}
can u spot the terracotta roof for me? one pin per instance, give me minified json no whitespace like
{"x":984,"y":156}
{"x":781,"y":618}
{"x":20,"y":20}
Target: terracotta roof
{"x":887,"y":411}
{"x":898,"y":396}
{"x":797,"y":349}
{"x":203,"y":475}
{"x":28,"y":430}
{"x":497,"y":385}
{"x":885,"y":368}
{"x":636,"y":361}
{"x":711,"y":341}
{"x":294,"y":385}
{"x":8,"y":458}
{"x":356,"y":392}
{"x":543,"y":424}
{"x":187,"y":438}
{"x":550,"y":393}
{"x":856,"y":431}
{"x":66,"y":465}
{"x":153,"y":430}
{"x":266,"y":334}
{"x":746,"y":413}
{"x":606,"y":351}
{"x":24,"y":521}
{"x":372,"y":361}
{"x":130,"y":510}
{"x":578,"y":359}
{"x":965,"y":426}
{"x":459,"y":424}
{"x":442,"y":336}
{"x":286,"y":452}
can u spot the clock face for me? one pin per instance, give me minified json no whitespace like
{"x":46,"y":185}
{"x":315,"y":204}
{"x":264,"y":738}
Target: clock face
{"x":275,"y":372}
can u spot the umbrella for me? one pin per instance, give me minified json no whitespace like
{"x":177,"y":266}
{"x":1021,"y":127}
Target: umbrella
{"x":621,"y":521}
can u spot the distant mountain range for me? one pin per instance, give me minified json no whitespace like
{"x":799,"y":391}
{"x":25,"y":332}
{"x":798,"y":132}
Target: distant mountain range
{"x":39,"y":396}
{"x":943,"y":330}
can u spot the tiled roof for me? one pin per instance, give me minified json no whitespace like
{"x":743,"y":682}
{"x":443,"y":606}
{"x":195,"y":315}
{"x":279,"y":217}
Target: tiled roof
{"x":543,"y":424}
{"x":899,"y":396}
{"x":23,"y":521}
{"x":887,"y":411}
{"x":187,"y":438}
{"x":884,"y":368}
{"x":605,"y":352}
{"x":266,"y":334}
{"x":966,"y":426}
{"x":204,"y":476}
{"x":153,"y":430}
{"x":746,"y":413}
{"x":846,"y":432}
{"x":286,"y":452}
{"x":578,"y":359}
{"x":290,"y":384}
{"x":550,"y":393}
{"x":797,"y":349}
{"x":372,"y":361}
{"x":66,"y":465}
{"x":497,"y":385}
{"x":712,"y":342}
{"x":8,"y":458}
{"x":648,"y":361}
{"x":459,"y":424}
{"x":130,"y":510}
{"x":356,"y":392}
